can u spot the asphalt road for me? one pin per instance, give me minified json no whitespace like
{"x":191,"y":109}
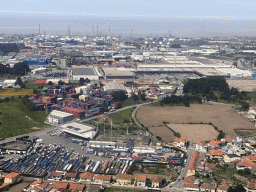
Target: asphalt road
{"x":178,"y":184}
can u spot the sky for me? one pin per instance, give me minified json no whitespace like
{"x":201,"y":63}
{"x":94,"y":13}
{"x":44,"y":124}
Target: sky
{"x":145,"y":17}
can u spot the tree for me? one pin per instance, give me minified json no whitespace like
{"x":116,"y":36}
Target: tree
{"x":19,"y":81}
{"x":118,"y":105}
{"x":81,"y":81}
{"x":135,"y":97}
{"x":119,"y":95}
{"x":186,"y":103}
{"x":159,"y":138}
{"x":35,"y":91}
{"x":50,"y":83}
{"x":61,"y":82}
{"x":143,"y":97}
{"x":22,"y":85}
{"x":245,"y":105}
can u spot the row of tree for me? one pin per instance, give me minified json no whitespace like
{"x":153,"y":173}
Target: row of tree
{"x":18,"y":69}
{"x":215,"y":89}
{"x":177,"y":100}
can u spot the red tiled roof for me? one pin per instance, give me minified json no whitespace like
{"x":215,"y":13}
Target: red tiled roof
{"x":86,"y":175}
{"x":181,"y":139}
{"x":190,"y":179}
{"x":12,"y":175}
{"x":142,"y":178}
{"x":56,"y":174}
{"x":207,"y":186}
{"x":104,"y":177}
{"x":251,"y":157}
{"x":60,"y":185}
{"x":211,"y":166}
{"x":71,"y":175}
{"x":76,"y":186}
{"x":193,"y":162}
{"x":37,"y":182}
{"x":216,"y":152}
{"x":124,"y":176}
{"x":223,"y":187}
{"x":157,"y":179}
{"x":247,"y":163}
{"x":227,"y":139}
{"x":199,"y":143}
{"x":214,"y":142}
{"x":251,"y":185}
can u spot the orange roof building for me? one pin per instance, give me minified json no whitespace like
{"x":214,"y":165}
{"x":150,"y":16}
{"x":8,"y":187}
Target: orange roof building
{"x":193,"y":162}
{"x":214,"y":143}
{"x":60,"y":185}
{"x":223,"y":187}
{"x":216,"y":154}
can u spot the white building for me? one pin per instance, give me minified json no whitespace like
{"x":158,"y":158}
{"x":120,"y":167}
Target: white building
{"x":91,"y":73}
{"x":59,"y":117}
{"x":79,"y":130}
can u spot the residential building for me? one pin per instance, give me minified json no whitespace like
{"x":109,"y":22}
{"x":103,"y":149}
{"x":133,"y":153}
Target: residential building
{"x":70,"y":176}
{"x":103,"y":179}
{"x":141,"y":180}
{"x":246,"y":164}
{"x":11,"y":177}
{"x":207,"y":187}
{"x":157,"y":182}
{"x":190,"y":187}
{"x":222,"y":188}
{"x":193,"y":162}
{"x":230,"y":157}
{"x":214,"y":143}
{"x":201,"y":147}
{"x":124,"y":179}
{"x":251,"y":187}
{"x":60,"y":185}
{"x":56,"y":176}
{"x":180,"y":142}
{"x":77,"y":187}
{"x":216,"y":154}
{"x":86,"y":176}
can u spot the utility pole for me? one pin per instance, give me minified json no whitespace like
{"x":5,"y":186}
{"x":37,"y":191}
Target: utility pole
{"x":93,"y":30}
{"x":169,"y":33}
{"x":131,"y":33}
{"x":108,"y":30}
{"x":97,"y":30}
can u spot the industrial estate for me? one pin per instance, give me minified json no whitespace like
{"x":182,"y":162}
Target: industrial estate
{"x":107,"y":113}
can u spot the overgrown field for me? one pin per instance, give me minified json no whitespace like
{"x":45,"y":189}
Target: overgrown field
{"x":16,"y":119}
{"x":221,"y":116}
{"x":15,"y":92}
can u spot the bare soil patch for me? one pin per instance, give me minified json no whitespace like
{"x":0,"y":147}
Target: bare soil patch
{"x":163,"y":132}
{"x":195,"y":132}
{"x":221,"y":116}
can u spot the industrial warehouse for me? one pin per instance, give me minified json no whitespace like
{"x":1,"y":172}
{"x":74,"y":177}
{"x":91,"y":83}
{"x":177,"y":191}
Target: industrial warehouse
{"x":59,"y":117}
{"x":85,"y":132}
{"x":85,"y":72}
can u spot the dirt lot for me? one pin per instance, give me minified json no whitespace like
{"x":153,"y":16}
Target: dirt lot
{"x":197,"y":132}
{"x":163,"y":132}
{"x":221,"y":116}
{"x":19,"y":187}
{"x":242,"y":85}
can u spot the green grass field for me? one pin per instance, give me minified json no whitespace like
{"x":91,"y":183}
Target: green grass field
{"x":16,"y":119}
{"x":120,"y":117}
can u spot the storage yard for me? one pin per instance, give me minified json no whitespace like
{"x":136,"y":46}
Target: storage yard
{"x":197,"y":132}
{"x":218,"y":115}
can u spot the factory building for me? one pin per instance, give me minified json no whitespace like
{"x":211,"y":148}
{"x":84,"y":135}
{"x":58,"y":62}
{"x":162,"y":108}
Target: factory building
{"x":118,"y":73}
{"x":59,"y":117}
{"x":114,"y":87}
{"x":39,"y":70}
{"x":91,"y":73}
{"x":209,"y":72}
{"x":9,"y":83}
{"x":81,"y":131}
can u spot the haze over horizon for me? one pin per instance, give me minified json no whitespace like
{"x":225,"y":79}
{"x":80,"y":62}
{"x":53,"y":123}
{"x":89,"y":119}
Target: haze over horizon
{"x":182,"y":18}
